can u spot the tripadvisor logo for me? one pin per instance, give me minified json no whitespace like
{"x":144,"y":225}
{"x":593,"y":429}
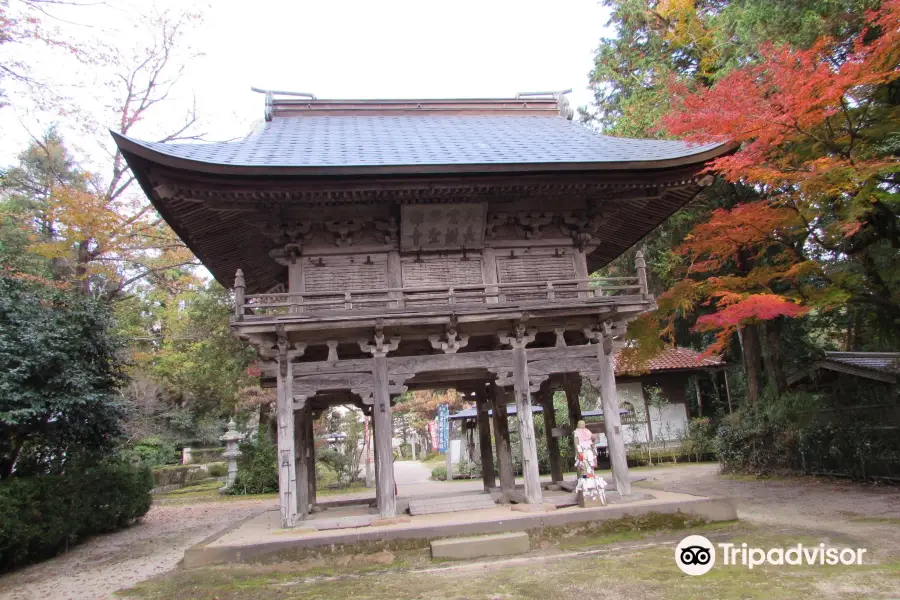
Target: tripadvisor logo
{"x":696,"y":555}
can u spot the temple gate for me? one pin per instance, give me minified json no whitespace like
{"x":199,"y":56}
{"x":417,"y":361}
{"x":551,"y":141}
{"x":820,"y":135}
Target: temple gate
{"x":376,"y":246}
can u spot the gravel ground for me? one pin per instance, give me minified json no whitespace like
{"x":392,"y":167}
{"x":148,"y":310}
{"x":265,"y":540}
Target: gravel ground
{"x":111,"y":562}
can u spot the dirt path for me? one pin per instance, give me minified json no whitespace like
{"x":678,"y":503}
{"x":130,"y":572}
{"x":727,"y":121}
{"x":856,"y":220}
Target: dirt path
{"x":107,"y":563}
{"x":110,"y":562}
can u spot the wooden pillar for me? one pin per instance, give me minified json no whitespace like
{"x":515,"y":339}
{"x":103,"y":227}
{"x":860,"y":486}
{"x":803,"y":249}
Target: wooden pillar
{"x":287,"y":475}
{"x":302,"y":416}
{"x":375,"y":462}
{"x":611,"y":418}
{"x":530,"y":470}
{"x":484,"y":439}
{"x":311,"y":458}
{"x":501,"y":438}
{"x":556,"y":471}
{"x":370,"y":456}
{"x":384,"y":473}
{"x":572,"y":388}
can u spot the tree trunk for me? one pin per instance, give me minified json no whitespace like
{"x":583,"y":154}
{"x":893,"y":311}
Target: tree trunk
{"x":752,"y":360}
{"x":772,"y":357}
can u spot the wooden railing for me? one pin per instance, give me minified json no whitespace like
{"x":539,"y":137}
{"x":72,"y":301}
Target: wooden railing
{"x":421,"y":298}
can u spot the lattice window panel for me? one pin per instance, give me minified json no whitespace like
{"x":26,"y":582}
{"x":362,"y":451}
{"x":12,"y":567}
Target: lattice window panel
{"x":529,"y":269}
{"x":441,"y":271}
{"x":341,"y":274}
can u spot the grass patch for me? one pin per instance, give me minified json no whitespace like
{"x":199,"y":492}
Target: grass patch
{"x":881,"y":520}
{"x":435,"y":461}
{"x":626,"y":573}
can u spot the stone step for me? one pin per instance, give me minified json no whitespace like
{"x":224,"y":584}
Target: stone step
{"x":431,"y":506}
{"x":482,"y":545}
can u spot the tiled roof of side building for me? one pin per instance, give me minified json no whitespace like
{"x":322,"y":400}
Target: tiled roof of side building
{"x":673,"y":359}
{"x":888,"y":362}
{"x":422,"y":140}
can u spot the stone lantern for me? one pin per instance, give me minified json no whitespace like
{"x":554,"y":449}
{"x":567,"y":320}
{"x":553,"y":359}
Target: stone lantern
{"x":231,"y":438}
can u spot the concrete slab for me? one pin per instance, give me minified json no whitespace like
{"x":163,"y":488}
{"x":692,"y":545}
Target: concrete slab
{"x":479,"y":546}
{"x":340,"y":522}
{"x":433,"y":506}
{"x":261,"y":538}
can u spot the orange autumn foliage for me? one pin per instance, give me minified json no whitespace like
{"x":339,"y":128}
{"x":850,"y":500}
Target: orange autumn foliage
{"x":812,"y":130}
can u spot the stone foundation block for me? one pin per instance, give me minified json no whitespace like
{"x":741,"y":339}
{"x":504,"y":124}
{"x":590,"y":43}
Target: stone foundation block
{"x":479,"y":546}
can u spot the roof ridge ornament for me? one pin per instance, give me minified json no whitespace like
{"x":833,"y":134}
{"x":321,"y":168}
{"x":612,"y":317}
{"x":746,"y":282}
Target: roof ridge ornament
{"x":565,"y":109}
{"x":270,"y":98}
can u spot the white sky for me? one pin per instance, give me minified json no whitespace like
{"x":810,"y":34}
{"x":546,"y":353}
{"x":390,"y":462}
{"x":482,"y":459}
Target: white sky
{"x":335,"y":49}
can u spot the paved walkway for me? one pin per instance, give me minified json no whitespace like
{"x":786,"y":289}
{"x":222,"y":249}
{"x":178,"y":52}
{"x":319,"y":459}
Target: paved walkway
{"x":411,"y":472}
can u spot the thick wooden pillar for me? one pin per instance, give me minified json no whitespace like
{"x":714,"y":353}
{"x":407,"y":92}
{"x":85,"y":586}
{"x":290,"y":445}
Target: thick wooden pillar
{"x":311,"y":460}
{"x":381,"y":415}
{"x":572,"y":388}
{"x":501,"y":439}
{"x":375,"y":463}
{"x":302,"y":416}
{"x":484,"y":439}
{"x":287,"y":477}
{"x":615,"y":441}
{"x":556,"y":471}
{"x":530,"y":470}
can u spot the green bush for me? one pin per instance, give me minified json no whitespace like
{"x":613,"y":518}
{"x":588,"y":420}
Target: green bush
{"x":200,"y":456}
{"x":217,"y":469}
{"x":179,"y":474}
{"x":42,"y":516}
{"x":755,"y":443}
{"x":257,"y":468}
{"x":153,"y":452}
{"x":439,"y":473}
{"x":699,"y":439}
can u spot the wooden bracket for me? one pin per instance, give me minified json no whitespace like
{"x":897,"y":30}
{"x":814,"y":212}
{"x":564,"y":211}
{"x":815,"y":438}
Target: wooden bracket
{"x":520,"y":338}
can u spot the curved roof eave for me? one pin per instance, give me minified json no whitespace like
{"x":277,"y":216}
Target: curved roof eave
{"x":140,"y":149}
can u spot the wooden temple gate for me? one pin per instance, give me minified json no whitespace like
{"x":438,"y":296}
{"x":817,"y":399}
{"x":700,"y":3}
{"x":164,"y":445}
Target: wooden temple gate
{"x":380,"y":246}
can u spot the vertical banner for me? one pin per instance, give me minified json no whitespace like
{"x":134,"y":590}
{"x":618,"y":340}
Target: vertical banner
{"x":433,"y":434}
{"x":443,"y":427}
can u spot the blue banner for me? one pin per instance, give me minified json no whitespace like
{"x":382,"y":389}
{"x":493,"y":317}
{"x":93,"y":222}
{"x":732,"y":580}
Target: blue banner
{"x":443,"y":422}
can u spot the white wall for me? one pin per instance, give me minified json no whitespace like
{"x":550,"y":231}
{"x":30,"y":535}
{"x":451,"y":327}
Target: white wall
{"x":667,"y":423}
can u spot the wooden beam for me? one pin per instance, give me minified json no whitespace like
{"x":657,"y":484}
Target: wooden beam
{"x":444,"y":362}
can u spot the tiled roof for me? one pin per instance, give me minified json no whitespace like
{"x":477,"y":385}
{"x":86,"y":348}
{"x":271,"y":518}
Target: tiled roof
{"x":673,"y":359}
{"x":422,"y":140}
{"x":884,"y":362}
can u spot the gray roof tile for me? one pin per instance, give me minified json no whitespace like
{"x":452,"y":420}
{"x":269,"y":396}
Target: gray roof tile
{"x":886,"y":362}
{"x":371,"y":141}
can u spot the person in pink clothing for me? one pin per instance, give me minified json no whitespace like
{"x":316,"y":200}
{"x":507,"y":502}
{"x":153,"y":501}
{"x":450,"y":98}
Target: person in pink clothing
{"x":583,"y":435}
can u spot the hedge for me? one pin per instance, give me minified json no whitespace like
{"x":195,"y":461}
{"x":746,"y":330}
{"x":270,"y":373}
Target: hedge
{"x":179,"y":474}
{"x":857,"y":450}
{"x":44,"y":515}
